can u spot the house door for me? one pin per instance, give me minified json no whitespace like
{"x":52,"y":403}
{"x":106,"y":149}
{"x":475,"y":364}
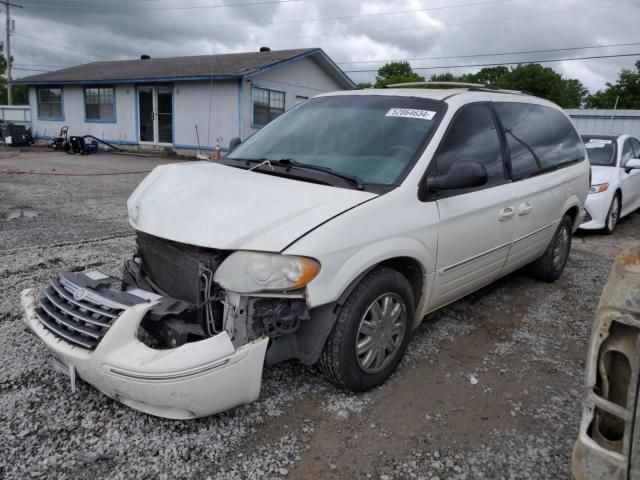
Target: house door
{"x":155,"y":111}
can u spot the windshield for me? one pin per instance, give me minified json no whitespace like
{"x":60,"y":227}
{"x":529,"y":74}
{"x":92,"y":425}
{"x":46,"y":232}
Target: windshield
{"x":602,"y":151}
{"x":372,"y":137}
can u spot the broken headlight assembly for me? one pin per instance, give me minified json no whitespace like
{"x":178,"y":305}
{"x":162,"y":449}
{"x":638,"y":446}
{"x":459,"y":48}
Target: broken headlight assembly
{"x":253,"y":272}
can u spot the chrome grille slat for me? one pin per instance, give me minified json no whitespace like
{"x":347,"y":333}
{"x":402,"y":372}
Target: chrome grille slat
{"x":68,"y":297}
{"x":60,"y":305}
{"x":68,"y":322}
{"x":60,"y":332}
{"x":82,"y":323}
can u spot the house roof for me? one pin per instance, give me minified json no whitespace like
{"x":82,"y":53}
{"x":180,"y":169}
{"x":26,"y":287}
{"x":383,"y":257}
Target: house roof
{"x":199,"y":67}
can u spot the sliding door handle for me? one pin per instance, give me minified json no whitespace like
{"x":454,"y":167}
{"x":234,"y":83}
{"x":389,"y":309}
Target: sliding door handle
{"x":506,"y":213}
{"x":525,"y":208}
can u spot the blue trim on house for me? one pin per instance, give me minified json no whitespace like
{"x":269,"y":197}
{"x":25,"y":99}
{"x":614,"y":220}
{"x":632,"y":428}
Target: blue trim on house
{"x":257,"y":126}
{"x":281,"y":63}
{"x":51,"y":119}
{"x":197,"y":77}
{"x":300,"y":57}
{"x":130,"y":80}
{"x":113,"y":119}
{"x":240,"y":112}
{"x":334,"y":65}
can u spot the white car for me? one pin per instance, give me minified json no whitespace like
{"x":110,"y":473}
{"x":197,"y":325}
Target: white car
{"x":615,"y":186}
{"x":326,"y":237}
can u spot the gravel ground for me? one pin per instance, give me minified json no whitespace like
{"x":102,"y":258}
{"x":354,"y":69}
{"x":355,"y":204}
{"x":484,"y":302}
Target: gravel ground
{"x":490,"y":387}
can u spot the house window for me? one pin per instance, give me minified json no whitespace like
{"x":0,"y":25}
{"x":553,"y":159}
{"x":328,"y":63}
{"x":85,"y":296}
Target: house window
{"x":267,"y":105}
{"x":50,"y":103}
{"x":99,"y":104}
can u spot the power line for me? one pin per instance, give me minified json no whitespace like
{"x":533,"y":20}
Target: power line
{"x":133,"y":9}
{"x":36,"y":65}
{"x":67,"y":47}
{"x":30,"y":69}
{"x":495,"y":54}
{"x":490,"y":20}
{"x":509,"y":63}
{"x":367,"y":15}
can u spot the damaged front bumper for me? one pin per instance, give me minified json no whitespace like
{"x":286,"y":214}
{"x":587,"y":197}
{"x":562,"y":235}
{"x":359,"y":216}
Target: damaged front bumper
{"x":193,"y":380}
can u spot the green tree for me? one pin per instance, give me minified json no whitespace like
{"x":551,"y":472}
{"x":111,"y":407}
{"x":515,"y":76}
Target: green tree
{"x":396,"y":72}
{"x":626,"y":91}
{"x":545,"y":82}
{"x":363,"y":85}
{"x":533,"y":78}
{"x":449,"y":77}
{"x":491,"y":76}
{"x":19,"y":92}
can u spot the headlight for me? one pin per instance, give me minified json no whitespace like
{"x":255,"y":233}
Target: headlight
{"x":601,"y":187}
{"x":250,"y":272}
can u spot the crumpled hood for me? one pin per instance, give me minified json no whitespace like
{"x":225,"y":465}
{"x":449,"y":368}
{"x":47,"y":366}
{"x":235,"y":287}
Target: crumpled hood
{"x":217,"y":206}
{"x":600,"y":174}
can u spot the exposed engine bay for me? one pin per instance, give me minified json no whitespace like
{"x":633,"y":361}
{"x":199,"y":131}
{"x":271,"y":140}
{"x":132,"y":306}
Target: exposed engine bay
{"x":193,"y":307}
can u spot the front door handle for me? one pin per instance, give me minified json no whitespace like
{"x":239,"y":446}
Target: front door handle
{"x":506,"y":213}
{"x":525,"y":208}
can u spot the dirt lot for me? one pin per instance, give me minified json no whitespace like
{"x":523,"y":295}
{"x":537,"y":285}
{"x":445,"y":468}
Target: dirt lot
{"x":523,"y":341}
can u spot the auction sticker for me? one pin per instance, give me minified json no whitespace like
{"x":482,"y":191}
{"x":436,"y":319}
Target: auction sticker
{"x":411,"y":113}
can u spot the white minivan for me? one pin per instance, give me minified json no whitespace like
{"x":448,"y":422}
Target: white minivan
{"x":325,"y":237}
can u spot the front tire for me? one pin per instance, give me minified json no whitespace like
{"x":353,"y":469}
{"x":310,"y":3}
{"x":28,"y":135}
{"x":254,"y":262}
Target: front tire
{"x":613,"y":215}
{"x":371,"y":332}
{"x":550,"y":265}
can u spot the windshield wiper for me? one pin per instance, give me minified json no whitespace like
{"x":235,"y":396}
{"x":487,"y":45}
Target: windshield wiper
{"x":289,"y":162}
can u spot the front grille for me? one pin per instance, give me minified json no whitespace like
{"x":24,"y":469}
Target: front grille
{"x":81,"y":323}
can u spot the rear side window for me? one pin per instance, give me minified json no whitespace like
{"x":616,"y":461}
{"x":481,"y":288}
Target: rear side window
{"x":472,"y":137}
{"x":539,"y":138}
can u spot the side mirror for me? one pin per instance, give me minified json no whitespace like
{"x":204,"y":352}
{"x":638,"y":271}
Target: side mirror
{"x":633,"y":164}
{"x":461,"y":175}
{"x":234,"y":142}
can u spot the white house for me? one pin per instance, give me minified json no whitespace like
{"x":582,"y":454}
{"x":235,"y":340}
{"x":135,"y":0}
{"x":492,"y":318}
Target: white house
{"x":159,"y":102}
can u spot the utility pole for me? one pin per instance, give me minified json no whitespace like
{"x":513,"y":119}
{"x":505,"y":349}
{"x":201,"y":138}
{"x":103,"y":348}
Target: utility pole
{"x":7,"y":45}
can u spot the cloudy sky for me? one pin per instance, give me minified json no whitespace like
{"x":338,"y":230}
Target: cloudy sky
{"x":52,"y":34}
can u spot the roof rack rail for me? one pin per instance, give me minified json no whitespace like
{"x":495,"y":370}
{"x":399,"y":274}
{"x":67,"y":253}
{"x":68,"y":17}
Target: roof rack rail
{"x":431,"y":84}
{"x":481,"y":87}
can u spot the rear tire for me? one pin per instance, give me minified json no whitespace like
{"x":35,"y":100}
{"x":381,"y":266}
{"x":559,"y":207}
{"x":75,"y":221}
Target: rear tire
{"x":371,"y":332}
{"x":613,"y":215}
{"x":550,"y":265}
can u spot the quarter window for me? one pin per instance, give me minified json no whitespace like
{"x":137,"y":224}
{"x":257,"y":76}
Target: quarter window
{"x":267,"y":105}
{"x":99,"y":104}
{"x":50,"y":103}
{"x":472,"y":137}
{"x":539,"y":137}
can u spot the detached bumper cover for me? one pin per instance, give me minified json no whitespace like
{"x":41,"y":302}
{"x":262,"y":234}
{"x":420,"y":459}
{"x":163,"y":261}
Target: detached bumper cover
{"x":190,"y":381}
